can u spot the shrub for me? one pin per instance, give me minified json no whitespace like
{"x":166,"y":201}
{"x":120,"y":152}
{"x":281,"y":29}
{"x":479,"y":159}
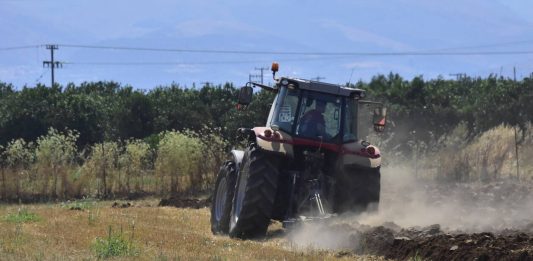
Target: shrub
{"x":491,"y":154}
{"x":488,"y":157}
{"x":116,"y":244}
{"x":19,"y":155}
{"x":55,"y":155}
{"x":179,"y":157}
{"x":214,"y":152}
{"x":133,"y":162}
{"x":526,"y":152}
{"x":102,"y":166}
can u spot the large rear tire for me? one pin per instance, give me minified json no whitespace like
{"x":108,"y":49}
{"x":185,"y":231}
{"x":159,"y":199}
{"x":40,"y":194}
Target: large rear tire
{"x":222,"y":198}
{"x":358,"y":190}
{"x":255,"y":193}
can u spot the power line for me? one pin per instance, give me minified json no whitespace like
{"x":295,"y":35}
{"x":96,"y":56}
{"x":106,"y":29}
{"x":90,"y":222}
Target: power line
{"x":40,"y":77}
{"x":134,"y":63}
{"x":218,"y":51}
{"x":483,"y":46}
{"x":19,"y":47}
{"x":436,"y":52}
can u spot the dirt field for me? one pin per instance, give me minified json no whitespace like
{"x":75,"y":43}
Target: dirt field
{"x":417,"y":220}
{"x":423,"y":220}
{"x":69,"y":232}
{"x":429,"y":220}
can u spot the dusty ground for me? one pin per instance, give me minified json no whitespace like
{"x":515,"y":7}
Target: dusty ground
{"x":428,"y":243}
{"x":429,"y":220}
{"x":67,"y":232}
{"x":417,"y":220}
{"x":420,"y":220}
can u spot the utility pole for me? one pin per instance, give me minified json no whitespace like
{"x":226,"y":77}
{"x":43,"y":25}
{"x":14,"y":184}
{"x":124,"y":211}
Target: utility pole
{"x":254,"y":76}
{"x":52,"y":64}
{"x":458,"y":76}
{"x":206,"y":84}
{"x":318,"y":78}
{"x":261,"y":69}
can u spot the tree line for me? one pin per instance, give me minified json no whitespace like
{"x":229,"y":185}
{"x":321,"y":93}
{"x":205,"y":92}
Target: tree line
{"x":108,"y":111}
{"x":104,"y":111}
{"x":105,"y":139}
{"x":428,"y":110}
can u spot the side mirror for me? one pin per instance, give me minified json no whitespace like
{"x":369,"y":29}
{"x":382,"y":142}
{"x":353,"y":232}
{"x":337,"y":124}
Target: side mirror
{"x":245,"y":95}
{"x":380,"y":115}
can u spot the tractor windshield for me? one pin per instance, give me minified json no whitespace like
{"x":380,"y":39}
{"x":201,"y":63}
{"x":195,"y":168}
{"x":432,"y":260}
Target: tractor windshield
{"x":286,"y":104}
{"x":319,"y":116}
{"x":312,"y":115}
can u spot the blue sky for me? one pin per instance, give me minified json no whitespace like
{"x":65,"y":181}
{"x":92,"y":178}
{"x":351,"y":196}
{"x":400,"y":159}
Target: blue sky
{"x":394,"y":26}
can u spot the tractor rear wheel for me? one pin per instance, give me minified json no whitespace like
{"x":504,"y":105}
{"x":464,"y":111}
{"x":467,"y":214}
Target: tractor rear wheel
{"x":255,"y":193}
{"x":358,"y":190}
{"x":222,"y":197}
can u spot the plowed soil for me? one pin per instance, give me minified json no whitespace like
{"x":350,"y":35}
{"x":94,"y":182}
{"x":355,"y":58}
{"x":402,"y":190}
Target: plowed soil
{"x":422,"y":221}
{"x":429,"y":221}
{"x":184,"y":202}
{"x":429,"y":243}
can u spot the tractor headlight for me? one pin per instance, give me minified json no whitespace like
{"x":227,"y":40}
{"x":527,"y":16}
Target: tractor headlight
{"x":268,"y":133}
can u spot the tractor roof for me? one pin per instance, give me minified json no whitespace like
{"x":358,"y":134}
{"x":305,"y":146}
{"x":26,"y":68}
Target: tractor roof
{"x":334,"y":89}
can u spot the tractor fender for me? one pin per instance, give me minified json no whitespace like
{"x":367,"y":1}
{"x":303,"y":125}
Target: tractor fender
{"x":279,"y":142}
{"x":356,"y":155}
{"x":237,"y":156}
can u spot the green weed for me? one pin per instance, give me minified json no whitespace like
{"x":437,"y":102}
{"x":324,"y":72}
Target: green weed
{"x":116,"y":244}
{"x":22,"y":216}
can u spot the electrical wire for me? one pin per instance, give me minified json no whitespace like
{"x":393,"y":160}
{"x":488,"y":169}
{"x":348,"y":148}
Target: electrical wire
{"x":208,"y":62}
{"x":40,"y":77}
{"x":19,"y":47}
{"x":484,"y":46}
{"x":436,"y":52}
{"x":215,"y":51}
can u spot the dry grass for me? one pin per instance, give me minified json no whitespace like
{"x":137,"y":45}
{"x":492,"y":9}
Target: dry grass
{"x":159,"y":233}
{"x":490,"y":156}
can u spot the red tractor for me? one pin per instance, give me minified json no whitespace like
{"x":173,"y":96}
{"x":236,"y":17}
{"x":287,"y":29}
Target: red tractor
{"x":308,"y":162}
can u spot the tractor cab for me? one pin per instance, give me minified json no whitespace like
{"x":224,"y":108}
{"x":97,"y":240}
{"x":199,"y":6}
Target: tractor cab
{"x":318,"y":111}
{"x":305,"y":109}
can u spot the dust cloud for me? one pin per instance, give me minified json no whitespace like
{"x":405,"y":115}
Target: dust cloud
{"x":408,"y":203}
{"x":467,"y":207}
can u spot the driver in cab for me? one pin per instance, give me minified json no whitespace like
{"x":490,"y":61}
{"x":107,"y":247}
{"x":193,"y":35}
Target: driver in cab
{"x":313,"y":123}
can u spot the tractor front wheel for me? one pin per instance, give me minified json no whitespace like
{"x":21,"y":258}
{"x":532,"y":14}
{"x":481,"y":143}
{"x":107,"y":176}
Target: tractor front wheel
{"x":254,"y":194}
{"x":222,"y":197}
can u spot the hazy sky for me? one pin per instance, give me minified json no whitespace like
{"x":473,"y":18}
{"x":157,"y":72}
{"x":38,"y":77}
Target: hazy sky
{"x":353,"y":27}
